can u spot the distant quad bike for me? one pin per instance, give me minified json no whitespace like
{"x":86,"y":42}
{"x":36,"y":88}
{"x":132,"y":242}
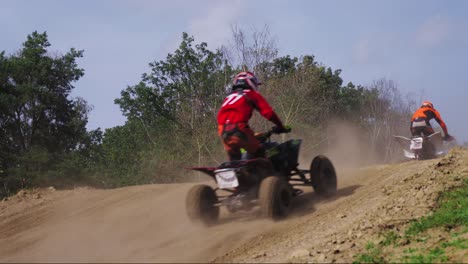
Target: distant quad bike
{"x":424,"y":147}
{"x":265,"y":182}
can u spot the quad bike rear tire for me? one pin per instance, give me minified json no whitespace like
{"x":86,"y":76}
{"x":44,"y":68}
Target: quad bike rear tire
{"x":427,"y":151}
{"x":201,"y":203}
{"x":274,"y":197}
{"x":323,"y":176}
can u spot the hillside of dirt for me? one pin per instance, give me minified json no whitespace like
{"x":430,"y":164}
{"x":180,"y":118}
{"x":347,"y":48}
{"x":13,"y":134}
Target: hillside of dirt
{"x":148,"y":223}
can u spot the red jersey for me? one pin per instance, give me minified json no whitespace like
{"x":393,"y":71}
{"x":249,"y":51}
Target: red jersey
{"x":239,"y":105}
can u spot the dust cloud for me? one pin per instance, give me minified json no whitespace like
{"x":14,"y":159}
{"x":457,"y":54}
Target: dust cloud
{"x":148,"y":223}
{"x":136,"y":224}
{"x":346,"y":146}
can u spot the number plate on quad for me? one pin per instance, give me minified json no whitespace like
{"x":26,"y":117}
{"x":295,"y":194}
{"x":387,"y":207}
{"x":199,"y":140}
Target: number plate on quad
{"x":226,"y":178}
{"x":416,"y":143}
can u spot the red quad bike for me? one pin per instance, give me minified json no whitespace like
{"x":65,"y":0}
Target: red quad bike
{"x":265,"y":182}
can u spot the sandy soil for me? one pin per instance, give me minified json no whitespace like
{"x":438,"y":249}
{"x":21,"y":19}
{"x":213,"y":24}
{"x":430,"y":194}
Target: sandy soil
{"x":148,"y":223}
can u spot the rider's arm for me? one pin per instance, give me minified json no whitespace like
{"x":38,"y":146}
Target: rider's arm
{"x":264,"y":108}
{"x":441,"y":122}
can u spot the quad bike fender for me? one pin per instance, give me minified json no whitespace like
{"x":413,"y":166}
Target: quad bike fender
{"x":403,"y":141}
{"x":438,"y":142}
{"x":210,"y":171}
{"x":263,"y":164}
{"x":405,"y":144}
{"x":409,"y":154}
{"x":259,"y":163}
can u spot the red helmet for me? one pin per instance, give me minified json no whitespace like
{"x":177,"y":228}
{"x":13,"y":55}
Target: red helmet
{"x":246,"y":80}
{"x":427,"y":104}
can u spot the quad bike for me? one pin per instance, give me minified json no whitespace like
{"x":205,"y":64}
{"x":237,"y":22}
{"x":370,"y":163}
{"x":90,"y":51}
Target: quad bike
{"x":265,"y":182}
{"x":424,"y":147}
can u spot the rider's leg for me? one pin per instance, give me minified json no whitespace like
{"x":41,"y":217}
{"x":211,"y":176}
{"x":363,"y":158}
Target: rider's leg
{"x":416,"y":131}
{"x":418,"y":127}
{"x":428,"y":131}
{"x":422,"y":131}
{"x":252,"y":145}
{"x":231,"y":139}
{"x":232,"y":146}
{"x":234,"y":155}
{"x":240,"y":136}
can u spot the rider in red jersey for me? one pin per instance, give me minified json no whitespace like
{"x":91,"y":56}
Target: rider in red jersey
{"x":235,"y":113}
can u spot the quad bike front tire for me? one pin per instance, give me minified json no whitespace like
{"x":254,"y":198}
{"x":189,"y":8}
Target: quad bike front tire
{"x":201,"y":205}
{"x":275,"y":198}
{"x":323,"y":176}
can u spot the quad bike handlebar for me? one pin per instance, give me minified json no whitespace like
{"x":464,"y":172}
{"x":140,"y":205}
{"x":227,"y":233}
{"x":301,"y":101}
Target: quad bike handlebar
{"x":263,"y":137}
{"x":446,"y":138}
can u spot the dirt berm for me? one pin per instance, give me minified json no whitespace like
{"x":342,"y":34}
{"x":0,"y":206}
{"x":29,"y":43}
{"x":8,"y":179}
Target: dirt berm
{"x":148,"y":223}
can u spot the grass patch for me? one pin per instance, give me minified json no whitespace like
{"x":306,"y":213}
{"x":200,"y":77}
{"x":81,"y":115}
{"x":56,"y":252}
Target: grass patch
{"x":410,"y":250}
{"x":460,"y":243}
{"x":436,"y":255}
{"x":452,"y":212}
{"x":372,"y":255}
{"x":390,"y":238}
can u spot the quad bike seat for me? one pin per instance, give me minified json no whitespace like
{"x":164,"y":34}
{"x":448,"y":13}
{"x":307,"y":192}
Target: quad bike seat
{"x":231,"y":164}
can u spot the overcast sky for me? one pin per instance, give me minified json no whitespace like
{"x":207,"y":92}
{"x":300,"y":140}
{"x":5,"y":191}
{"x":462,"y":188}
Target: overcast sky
{"x":420,"y":44}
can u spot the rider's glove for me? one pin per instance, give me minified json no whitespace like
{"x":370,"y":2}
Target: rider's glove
{"x":448,"y":137}
{"x":281,"y":129}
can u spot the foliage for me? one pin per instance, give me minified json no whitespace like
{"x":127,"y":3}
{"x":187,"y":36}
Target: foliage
{"x":309,"y":93}
{"x":171,"y":112}
{"x":39,"y":121}
{"x":436,"y":255}
{"x":175,"y":107}
{"x":390,"y":238}
{"x":460,"y":243}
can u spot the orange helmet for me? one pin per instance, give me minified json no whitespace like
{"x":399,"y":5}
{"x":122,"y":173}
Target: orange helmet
{"x":427,"y":104}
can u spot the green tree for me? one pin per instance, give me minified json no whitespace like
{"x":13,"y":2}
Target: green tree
{"x":181,"y":88}
{"x":303,"y":90}
{"x":171,"y":118}
{"x":182,"y":93}
{"x":38,"y":119}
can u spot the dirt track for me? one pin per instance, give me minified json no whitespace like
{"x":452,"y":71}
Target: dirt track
{"x":148,"y":223}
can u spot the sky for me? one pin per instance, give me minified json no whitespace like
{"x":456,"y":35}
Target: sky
{"x":422,"y":45}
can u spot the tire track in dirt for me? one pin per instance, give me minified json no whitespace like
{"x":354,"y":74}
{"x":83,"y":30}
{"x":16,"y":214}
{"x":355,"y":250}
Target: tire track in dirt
{"x":319,"y":218}
{"x":148,"y":223}
{"x":368,"y":201}
{"x":138,"y":224}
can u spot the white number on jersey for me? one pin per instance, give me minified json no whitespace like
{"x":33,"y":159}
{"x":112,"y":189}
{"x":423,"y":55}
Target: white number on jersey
{"x":232,"y":98}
